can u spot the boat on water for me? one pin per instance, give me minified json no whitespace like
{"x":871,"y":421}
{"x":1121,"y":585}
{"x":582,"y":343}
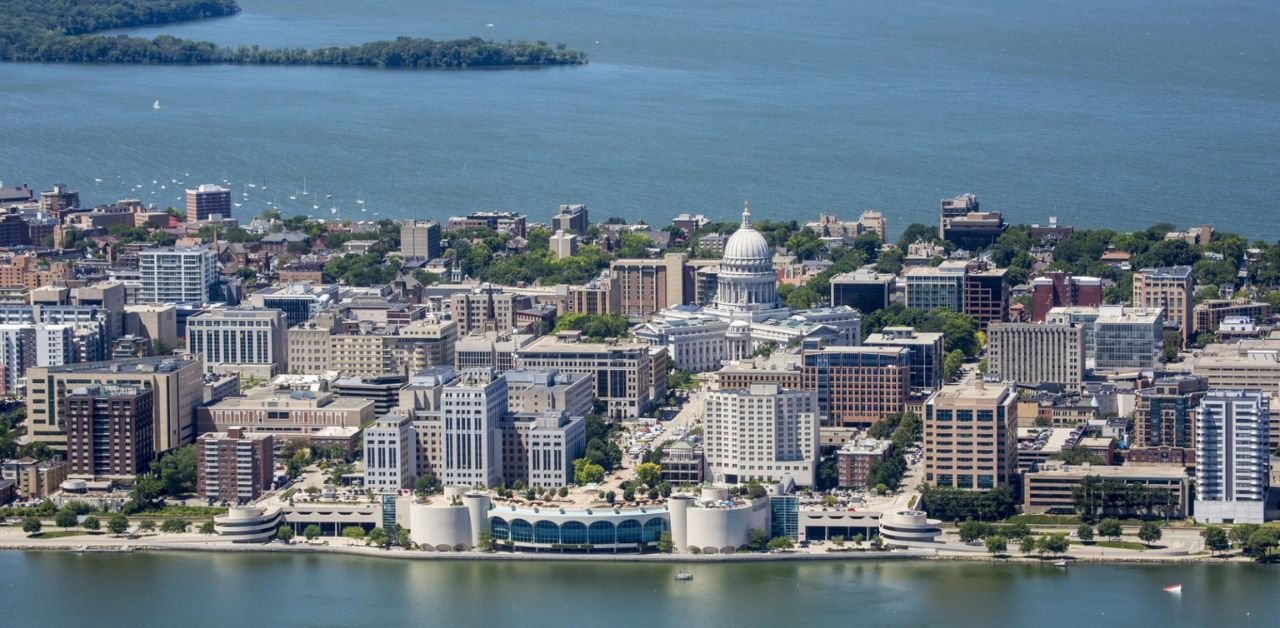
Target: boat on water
{"x":155,"y":105}
{"x":1060,"y":563}
{"x":1175,"y":588}
{"x":684,"y":575}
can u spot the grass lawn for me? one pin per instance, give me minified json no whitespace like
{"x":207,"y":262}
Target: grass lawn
{"x":57,"y":534}
{"x":1044,"y":520}
{"x":1129,"y":545}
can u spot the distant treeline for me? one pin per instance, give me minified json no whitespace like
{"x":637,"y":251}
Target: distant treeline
{"x":60,"y":31}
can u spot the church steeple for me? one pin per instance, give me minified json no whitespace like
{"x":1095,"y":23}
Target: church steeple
{"x":746,"y":214}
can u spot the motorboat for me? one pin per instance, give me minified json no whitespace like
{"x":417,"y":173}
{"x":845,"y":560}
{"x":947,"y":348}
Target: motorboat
{"x":684,"y":575}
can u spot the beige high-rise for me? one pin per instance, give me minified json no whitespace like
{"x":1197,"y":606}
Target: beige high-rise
{"x":970,"y":435}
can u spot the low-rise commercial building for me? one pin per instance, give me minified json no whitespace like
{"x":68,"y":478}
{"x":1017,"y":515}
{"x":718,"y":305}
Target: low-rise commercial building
{"x":286,"y":414}
{"x":1051,"y":487}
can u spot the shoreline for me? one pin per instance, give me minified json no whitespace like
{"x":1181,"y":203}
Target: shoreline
{"x":401,"y":554}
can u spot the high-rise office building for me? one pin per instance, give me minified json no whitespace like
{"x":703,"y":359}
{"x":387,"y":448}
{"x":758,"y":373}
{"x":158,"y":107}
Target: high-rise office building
{"x":208,"y":202}
{"x":471,"y":434}
{"x":390,"y":456}
{"x":925,"y":350}
{"x":933,"y":287}
{"x":571,"y":219}
{"x":299,"y":300}
{"x":1168,"y":288}
{"x":1036,"y":353}
{"x":1232,"y":456}
{"x":249,"y":341}
{"x":764,"y":433}
{"x":970,"y":436}
{"x":986,"y":294}
{"x":175,"y":275}
{"x":858,"y":386}
{"x":647,"y":286}
{"x":863,"y":290}
{"x":109,"y":431}
{"x":420,"y":239}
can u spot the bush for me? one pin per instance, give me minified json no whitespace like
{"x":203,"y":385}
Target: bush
{"x":31,"y":525}
{"x":118,"y":524}
{"x":175,"y":526}
{"x":91,"y":523}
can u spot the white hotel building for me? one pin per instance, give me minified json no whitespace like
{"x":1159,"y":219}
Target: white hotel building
{"x":1232,"y":456}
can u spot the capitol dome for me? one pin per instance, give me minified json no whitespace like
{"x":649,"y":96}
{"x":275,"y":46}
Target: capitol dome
{"x":747,"y":243}
{"x":746,"y":280}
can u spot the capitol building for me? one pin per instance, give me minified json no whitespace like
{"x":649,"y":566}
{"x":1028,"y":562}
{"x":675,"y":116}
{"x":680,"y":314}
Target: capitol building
{"x":746,"y":313}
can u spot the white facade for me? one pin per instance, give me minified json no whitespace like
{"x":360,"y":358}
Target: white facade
{"x":1035,"y":353}
{"x":695,"y":344}
{"x":1232,"y":456}
{"x":390,"y":456}
{"x":764,"y":433}
{"x":238,"y":337}
{"x":175,"y":275}
{"x":471,"y":437}
{"x":55,"y":345}
{"x":748,"y":285}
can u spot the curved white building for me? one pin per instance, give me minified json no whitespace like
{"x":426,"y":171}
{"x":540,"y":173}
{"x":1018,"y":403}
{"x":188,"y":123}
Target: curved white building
{"x":247,"y":524}
{"x":909,"y":526}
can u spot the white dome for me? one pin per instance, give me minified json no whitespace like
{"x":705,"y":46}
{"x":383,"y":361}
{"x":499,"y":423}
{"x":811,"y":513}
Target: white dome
{"x":747,"y":244}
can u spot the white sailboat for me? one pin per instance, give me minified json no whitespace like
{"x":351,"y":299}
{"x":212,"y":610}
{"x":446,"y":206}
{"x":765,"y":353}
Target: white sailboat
{"x":155,"y":105}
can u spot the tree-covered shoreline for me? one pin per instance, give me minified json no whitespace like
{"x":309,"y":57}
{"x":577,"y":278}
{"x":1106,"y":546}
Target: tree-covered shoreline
{"x":63,"y":31}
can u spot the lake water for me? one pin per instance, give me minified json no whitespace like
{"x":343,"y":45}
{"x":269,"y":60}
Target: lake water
{"x":1101,"y":112}
{"x":63,"y":589}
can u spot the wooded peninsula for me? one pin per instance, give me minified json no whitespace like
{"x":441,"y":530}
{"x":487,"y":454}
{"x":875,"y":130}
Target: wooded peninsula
{"x":63,"y":31}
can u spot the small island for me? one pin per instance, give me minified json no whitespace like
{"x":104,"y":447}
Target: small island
{"x":64,"y":31}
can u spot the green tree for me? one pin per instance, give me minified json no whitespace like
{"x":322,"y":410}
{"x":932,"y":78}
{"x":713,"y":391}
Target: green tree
{"x":177,"y":470}
{"x":31,"y":525}
{"x":1149,"y":532}
{"x":311,"y":532}
{"x":65,"y":518}
{"x":175,"y":526}
{"x":486,"y":540}
{"x":284,"y":533}
{"x":1018,"y":530}
{"x":426,"y":484}
{"x":757,"y":539}
{"x":1110,"y":528}
{"x":403,"y":539}
{"x":1053,"y":544}
{"x":118,"y":524}
{"x":917,"y":232}
{"x":997,"y":545}
{"x":585,"y":472}
{"x":208,"y":528}
{"x":145,"y":495}
{"x":649,"y":474}
{"x":1215,"y":538}
{"x":377,"y":538}
{"x":780,"y":543}
{"x":951,"y":363}
{"x":1085,"y":532}
{"x":147,"y":525}
{"x":971,"y":531}
{"x":665,"y":545}
{"x":610,"y":497}
{"x":91,"y":523}
{"x":353,"y":532}
{"x":1027,"y":545}
{"x":628,"y":494}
